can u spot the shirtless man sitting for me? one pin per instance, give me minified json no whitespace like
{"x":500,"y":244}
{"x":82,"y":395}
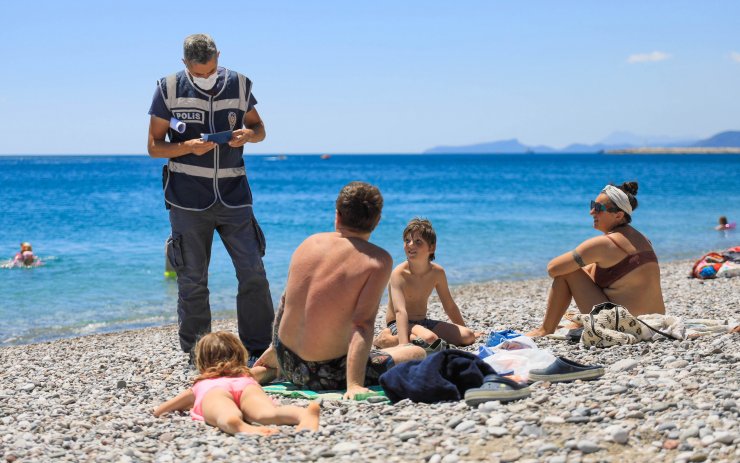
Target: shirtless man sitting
{"x":324,"y":326}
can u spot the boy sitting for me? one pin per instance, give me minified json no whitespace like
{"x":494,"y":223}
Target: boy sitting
{"x":409,"y":289}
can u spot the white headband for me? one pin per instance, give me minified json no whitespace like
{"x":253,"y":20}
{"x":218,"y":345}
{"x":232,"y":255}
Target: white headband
{"x":619,"y":198}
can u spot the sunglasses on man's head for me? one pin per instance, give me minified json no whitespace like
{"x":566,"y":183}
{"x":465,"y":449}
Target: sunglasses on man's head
{"x":598,"y":207}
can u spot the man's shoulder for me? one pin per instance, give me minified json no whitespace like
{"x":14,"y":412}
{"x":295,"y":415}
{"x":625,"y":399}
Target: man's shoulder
{"x":379,"y":254}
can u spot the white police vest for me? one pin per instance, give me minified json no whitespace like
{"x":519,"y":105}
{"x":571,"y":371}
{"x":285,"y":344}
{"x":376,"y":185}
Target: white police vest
{"x":197,"y":182}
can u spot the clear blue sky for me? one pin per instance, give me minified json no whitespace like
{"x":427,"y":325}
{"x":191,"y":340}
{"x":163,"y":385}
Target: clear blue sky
{"x":376,"y":76}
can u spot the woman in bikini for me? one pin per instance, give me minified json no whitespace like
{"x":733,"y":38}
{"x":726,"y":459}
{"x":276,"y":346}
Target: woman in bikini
{"x":620,"y":266}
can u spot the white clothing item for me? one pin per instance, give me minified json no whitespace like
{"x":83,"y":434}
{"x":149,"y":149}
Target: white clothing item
{"x":526,"y":356}
{"x":619,"y":198}
{"x":668,"y":324}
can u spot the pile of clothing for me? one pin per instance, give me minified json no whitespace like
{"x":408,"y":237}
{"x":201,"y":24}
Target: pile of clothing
{"x":718,"y":264}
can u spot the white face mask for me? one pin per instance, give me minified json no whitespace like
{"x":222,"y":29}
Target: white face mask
{"x":205,"y":83}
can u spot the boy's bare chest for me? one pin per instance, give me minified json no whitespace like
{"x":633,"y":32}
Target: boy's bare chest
{"x":418,"y":288}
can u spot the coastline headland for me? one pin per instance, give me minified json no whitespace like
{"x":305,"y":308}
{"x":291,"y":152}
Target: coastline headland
{"x":684,"y":150}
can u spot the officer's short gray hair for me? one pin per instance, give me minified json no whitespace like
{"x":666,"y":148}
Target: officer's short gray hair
{"x":199,"y":48}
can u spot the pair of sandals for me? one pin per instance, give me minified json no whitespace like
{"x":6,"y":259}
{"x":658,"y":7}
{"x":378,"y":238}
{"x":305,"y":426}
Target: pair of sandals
{"x":503,"y":389}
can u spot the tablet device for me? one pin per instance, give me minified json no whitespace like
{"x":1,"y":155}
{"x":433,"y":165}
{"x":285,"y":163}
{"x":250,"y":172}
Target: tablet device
{"x":218,"y":137}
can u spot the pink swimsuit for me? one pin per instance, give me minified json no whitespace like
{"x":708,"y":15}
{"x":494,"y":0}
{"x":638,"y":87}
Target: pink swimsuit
{"x":234,"y":386}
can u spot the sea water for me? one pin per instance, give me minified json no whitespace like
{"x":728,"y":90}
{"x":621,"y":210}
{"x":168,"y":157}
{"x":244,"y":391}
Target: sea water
{"x":99,"y":223}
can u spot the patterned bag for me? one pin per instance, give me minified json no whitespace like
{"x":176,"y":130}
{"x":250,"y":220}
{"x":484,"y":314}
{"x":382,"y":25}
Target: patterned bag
{"x":610,"y":324}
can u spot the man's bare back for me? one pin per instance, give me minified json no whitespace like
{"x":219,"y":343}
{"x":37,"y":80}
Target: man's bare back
{"x":330,"y":277}
{"x":324,"y":326}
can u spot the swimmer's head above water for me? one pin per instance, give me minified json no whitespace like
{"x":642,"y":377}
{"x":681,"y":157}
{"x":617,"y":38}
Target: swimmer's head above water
{"x":28,"y":257}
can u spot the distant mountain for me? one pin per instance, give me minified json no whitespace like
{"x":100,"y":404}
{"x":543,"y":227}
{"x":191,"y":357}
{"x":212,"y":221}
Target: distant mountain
{"x":631,"y":139}
{"x":514,"y":146}
{"x":504,"y":146}
{"x":722,"y":139}
{"x":615,"y":141}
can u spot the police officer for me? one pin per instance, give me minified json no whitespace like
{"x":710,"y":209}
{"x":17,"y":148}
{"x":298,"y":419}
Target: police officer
{"x":206,"y":189}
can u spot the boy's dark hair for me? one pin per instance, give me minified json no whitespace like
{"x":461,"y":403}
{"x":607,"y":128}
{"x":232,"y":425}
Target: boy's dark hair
{"x":424,"y":228}
{"x":359,"y":205}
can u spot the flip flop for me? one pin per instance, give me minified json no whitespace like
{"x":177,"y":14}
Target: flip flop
{"x":496,"y":387}
{"x":438,"y":345}
{"x":564,"y":370}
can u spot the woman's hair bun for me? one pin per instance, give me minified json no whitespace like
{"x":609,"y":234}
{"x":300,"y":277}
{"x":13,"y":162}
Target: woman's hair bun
{"x":630,"y":187}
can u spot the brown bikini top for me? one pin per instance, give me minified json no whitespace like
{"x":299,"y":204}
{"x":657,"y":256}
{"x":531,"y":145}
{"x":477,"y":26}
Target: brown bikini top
{"x":604,"y":277}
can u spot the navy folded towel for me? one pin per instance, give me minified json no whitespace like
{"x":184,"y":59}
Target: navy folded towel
{"x":441,"y":376}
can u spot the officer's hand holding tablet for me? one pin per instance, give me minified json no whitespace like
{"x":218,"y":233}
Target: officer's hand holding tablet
{"x":240,"y":137}
{"x":199,"y":146}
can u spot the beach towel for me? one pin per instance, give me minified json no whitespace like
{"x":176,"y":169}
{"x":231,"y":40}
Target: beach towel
{"x":442,"y":376}
{"x":290,"y":390}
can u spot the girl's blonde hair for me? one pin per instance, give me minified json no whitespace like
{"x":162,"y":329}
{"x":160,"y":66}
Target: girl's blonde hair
{"x":220,"y":354}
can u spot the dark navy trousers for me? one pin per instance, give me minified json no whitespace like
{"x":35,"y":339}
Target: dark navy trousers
{"x":189,"y":252}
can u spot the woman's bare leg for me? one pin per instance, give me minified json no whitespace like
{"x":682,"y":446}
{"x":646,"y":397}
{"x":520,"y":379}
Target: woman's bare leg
{"x":259,"y":408}
{"x":575,"y":285}
{"x":220,"y":410}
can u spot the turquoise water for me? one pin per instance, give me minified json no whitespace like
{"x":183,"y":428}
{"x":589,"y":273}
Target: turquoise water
{"x":100,"y":225}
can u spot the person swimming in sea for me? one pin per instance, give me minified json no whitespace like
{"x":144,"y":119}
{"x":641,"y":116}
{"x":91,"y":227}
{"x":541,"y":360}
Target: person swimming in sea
{"x":25,"y":257}
{"x":724,"y":224}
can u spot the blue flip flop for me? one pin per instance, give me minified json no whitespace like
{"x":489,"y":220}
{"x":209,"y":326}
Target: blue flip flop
{"x":496,"y":387}
{"x":564,"y":370}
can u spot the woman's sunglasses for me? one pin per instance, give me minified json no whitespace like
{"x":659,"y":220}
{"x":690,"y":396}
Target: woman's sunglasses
{"x":598,"y":207}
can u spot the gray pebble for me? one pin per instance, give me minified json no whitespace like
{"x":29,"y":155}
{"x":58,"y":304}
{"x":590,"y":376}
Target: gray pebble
{"x":691,"y":431}
{"x":531,"y":431}
{"x":345,"y":447}
{"x":587,"y":446}
{"x":617,"y":434}
{"x":660,"y":406}
{"x":623,"y":365}
{"x":510,"y":455}
{"x":405,"y":426}
{"x":497,"y":431}
{"x":666,"y":426}
{"x":455,"y":421}
{"x":408,"y":435}
{"x":465,"y":426}
{"x":725,"y":437}
{"x":547,"y":448}
{"x":617,"y":390}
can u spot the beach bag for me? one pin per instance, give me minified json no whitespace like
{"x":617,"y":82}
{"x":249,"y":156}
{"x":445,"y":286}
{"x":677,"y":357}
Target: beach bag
{"x":609,"y":324}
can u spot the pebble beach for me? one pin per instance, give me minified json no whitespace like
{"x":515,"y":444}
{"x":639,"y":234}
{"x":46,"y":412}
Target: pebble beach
{"x":90,"y":398}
